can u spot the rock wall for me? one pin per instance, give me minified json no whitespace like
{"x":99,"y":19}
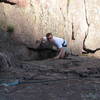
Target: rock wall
{"x":70,"y":19}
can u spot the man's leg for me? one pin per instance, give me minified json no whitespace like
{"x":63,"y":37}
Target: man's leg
{"x":65,"y":52}
{"x":61,"y":54}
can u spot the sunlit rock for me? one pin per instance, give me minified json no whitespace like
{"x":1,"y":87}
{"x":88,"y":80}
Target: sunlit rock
{"x":69,"y":19}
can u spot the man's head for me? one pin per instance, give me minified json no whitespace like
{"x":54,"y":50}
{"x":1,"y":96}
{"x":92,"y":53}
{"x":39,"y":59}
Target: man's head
{"x":49,"y":36}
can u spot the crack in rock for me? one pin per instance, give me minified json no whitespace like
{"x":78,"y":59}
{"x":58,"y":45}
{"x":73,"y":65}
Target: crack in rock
{"x":87,"y":33}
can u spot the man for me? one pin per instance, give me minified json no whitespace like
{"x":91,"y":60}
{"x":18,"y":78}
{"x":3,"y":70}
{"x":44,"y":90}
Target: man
{"x":60,"y":43}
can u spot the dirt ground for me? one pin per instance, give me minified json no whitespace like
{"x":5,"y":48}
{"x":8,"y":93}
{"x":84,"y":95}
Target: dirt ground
{"x":72,"y":78}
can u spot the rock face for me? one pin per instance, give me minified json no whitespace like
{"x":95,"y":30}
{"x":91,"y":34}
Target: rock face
{"x":70,"y":19}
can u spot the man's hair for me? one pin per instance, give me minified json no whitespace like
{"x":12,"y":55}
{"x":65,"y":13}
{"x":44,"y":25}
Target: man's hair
{"x":48,"y":34}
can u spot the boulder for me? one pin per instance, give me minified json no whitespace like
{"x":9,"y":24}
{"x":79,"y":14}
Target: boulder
{"x":69,"y":19}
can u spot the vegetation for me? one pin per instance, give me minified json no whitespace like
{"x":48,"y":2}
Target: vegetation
{"x":10,"y":28}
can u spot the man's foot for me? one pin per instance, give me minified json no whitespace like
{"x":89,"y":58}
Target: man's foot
{"x":56,"y":57}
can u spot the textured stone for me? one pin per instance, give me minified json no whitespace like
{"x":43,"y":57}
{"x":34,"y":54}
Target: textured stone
{"x":21,"y":3}
{"x":70,"y":19}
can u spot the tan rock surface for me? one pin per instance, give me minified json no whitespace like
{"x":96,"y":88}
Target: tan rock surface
{"x":70,"y":19}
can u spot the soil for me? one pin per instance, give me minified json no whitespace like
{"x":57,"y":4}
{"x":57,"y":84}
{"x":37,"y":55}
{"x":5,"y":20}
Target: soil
{"x":72,"y":78}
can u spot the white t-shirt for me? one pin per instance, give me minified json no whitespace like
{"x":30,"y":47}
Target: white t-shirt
{"x":58,"y":41}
